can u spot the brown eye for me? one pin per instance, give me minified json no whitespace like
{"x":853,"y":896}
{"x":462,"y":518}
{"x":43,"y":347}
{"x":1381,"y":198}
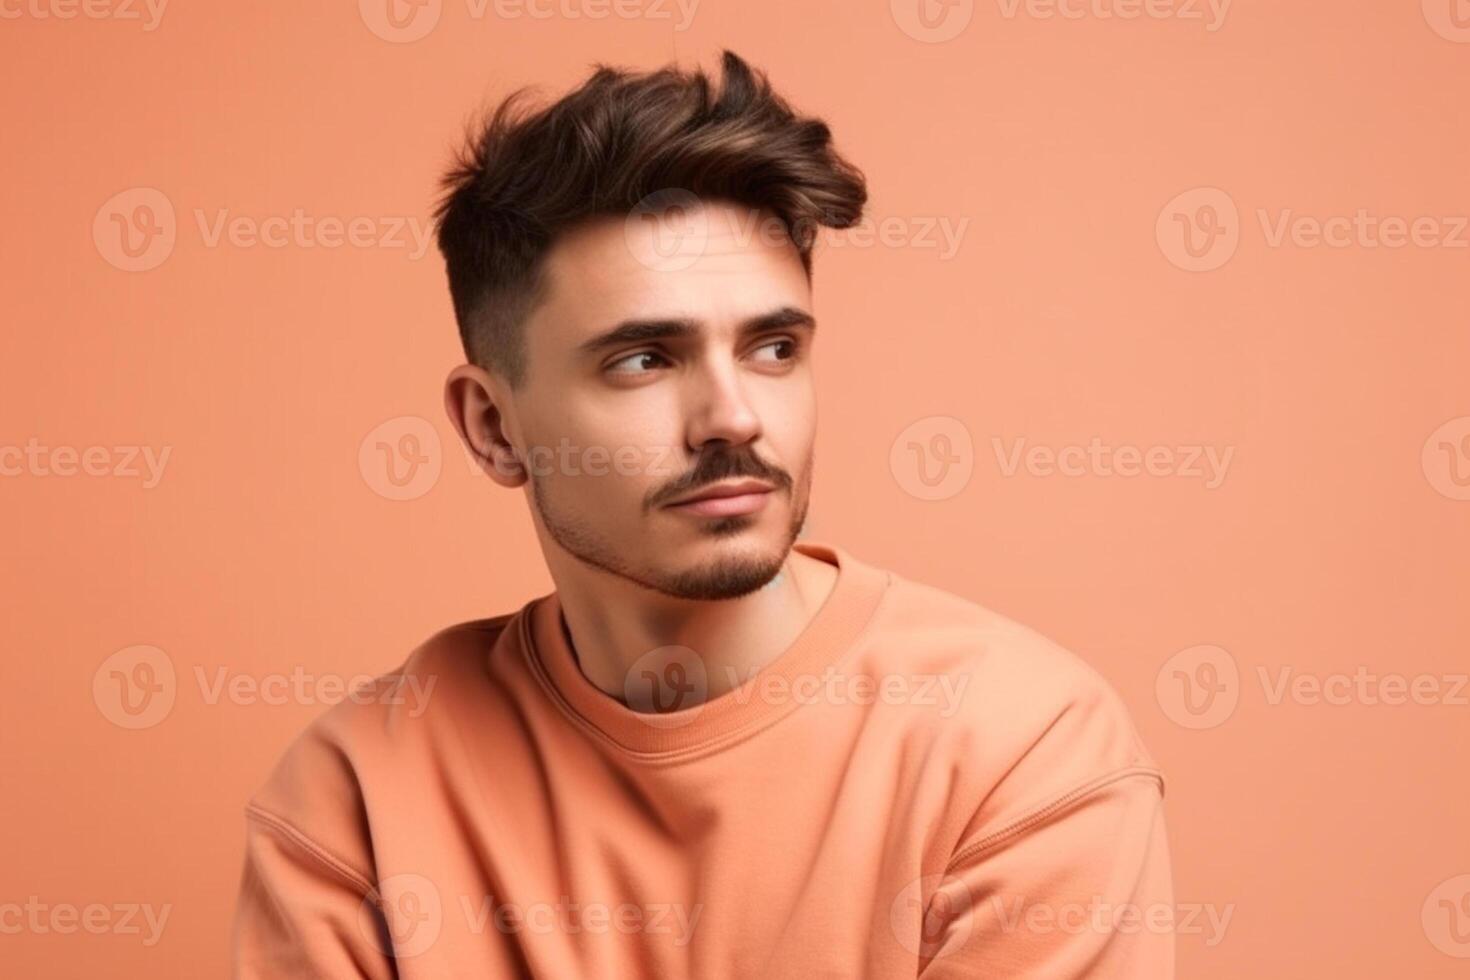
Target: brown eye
{"x":635,"y":359}
{"x":789,"y":344}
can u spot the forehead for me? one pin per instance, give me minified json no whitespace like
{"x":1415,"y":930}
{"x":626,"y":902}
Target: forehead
{"x":717,"y":263}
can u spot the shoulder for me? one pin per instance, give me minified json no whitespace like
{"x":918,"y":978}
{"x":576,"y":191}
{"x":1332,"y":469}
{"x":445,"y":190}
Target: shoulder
{"x":1027,"y":722}
{"x":317,"y":791}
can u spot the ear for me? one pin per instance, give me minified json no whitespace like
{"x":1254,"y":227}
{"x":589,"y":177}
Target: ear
{"x":470,"y":399}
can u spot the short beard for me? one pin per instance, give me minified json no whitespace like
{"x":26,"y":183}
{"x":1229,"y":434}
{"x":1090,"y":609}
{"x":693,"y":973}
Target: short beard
{"x":726,"y":578}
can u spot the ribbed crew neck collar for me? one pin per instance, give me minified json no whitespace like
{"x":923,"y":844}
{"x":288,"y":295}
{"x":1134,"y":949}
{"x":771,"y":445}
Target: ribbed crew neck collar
{"x":826,"y":637}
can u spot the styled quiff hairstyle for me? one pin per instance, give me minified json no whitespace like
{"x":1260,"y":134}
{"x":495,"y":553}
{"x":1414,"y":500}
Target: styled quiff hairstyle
{"x":524,"y":176}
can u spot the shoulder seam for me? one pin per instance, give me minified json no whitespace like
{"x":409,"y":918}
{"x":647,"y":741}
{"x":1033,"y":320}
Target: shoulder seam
{"x":1053,"y":808}
{"x":289,"y":832}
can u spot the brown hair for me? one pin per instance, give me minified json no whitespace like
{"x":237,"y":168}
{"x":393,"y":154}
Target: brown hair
{"x":523,"y":177}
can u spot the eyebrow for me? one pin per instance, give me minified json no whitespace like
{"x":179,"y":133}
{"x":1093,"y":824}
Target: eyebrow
{"x":637,"y":331}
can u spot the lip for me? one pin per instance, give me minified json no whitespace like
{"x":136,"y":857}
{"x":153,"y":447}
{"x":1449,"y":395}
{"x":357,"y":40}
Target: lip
{"x":724,"y":499}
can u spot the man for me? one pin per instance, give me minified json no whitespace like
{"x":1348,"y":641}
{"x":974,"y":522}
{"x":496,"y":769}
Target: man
{"x":714,"y":750}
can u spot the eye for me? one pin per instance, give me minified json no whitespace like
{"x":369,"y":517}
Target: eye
{"x":635,"y":359}
{"x":788,"y":342}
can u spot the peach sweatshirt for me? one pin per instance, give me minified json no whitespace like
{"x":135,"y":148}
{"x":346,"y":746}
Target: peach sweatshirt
{"x":917,"y":787}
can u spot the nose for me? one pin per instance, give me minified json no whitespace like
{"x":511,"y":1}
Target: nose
{"x":720,"y":408}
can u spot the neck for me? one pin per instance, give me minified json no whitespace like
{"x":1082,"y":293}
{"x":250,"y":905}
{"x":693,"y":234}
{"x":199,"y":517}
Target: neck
{"x":611,"y":622}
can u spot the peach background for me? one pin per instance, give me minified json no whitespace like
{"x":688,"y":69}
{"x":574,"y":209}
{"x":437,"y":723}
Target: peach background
{"x":1336,"y":540}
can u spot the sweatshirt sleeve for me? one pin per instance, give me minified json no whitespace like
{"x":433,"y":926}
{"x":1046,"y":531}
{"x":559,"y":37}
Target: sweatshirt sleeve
{"x":301,"y":912}
{"x":1079,"y":886}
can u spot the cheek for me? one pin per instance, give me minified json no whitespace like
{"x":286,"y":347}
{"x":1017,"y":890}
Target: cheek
{"x":612,"y":462}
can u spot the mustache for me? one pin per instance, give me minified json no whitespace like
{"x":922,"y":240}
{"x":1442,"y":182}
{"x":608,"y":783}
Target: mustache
{"x":713,"y":468}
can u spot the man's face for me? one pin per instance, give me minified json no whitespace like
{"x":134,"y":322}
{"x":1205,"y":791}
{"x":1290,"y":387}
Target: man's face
{"x":709,"y":381}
